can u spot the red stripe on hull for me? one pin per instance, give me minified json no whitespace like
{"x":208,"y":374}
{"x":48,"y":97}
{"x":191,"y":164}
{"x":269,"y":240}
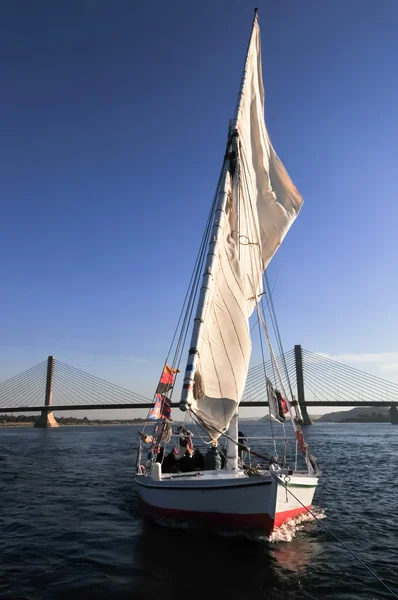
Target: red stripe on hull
{"x":261,"y":522}
{"x":287,"y":515}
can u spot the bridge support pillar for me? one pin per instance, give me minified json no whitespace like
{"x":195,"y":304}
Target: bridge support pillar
{"x":47,"y":418}
{"x":298,"y":358}
{"x":393,"y":414}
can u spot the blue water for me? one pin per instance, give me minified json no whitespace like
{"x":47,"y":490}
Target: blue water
{"x":70,"y":526}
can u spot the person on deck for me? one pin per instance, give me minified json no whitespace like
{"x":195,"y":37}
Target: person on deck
{"x":241,"y":440}
{"x":160,"y":454}
{"x":186,"y":463}
{"x":212,"y":459}
{"x":185,"y":441}
{"x":170,"y":462}
{"x":199,"y":459}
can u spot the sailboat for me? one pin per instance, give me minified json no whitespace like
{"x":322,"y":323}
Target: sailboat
{"x":254,"y":205}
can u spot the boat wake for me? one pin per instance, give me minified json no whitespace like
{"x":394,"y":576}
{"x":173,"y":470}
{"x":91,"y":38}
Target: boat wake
{"x":287,"y":531}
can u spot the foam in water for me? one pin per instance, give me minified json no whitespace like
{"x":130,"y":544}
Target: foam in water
{"x":285,"y":533}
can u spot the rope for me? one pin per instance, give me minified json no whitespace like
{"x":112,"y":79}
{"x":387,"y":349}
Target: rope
{"x":194,"y":416}
{"x":192,"y":291}
{"x":198,"y":434}
{"x":265,"y":384}
{"x":338,"y":539}
{"x":271,"y":308}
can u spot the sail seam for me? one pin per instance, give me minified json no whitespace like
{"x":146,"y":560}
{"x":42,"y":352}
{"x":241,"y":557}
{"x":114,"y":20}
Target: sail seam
{"x":226,"y":351}
{"x":229,"y":313}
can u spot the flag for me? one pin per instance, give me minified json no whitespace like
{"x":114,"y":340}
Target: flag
{"x":161,"y":408}
{"x":274,"y":403}
{"x":301,"y":442}
{"x":167,"y":380}
{"x":284,"y":405}
{"x":155,"y":412}
{"x":165,"y":410}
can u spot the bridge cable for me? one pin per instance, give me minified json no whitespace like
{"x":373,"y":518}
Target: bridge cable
{"x":99,"y":388}
{"x":20,"y":384}
{"x":23,"y":394}
{"x":335,"y":381}
{"x":355,"y":373}
{"x":331,"y":385}
{"x":99,"y":381}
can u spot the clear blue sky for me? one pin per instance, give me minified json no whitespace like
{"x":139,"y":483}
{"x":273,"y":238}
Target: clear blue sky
{"x":114,"y":120}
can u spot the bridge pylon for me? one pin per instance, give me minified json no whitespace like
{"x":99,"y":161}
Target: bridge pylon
{"x":393,"y":414}
{"x":298,"y":359}
{"x":47,"y":418}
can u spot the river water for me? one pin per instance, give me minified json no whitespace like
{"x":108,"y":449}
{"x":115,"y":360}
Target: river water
{"x":70,"y":525}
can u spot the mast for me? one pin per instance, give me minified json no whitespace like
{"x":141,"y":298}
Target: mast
{"x":207,"y":285}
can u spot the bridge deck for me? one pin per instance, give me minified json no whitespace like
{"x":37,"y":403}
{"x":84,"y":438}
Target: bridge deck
{"x":110,"y":406}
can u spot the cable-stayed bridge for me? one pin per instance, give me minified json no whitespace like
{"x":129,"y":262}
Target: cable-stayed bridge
{"x":315,"y":380}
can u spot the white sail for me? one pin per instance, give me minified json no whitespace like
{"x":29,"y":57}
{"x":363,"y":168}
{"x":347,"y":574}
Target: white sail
{"x":257,"y":204}
{"x":266,"y":188}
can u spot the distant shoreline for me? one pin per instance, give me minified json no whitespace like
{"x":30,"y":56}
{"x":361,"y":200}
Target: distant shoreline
{"x":6,"y":425}
{"x":315,"y":422}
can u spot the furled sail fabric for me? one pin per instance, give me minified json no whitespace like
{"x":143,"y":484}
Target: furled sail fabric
{"x":257,"y":204}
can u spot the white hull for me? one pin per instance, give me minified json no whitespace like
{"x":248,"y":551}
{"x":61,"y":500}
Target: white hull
{"x":227,"y":498}
{"x":294,"y":496}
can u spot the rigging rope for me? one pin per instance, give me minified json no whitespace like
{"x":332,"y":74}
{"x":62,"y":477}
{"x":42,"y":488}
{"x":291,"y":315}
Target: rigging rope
{"x":191,"y":294}
{"x":271,"y":306}
{"x":265,"y":385}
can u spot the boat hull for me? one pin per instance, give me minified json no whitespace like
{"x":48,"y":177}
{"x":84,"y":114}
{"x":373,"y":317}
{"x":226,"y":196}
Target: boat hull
{"x":260,"y":503}
{"x":220,"y":498}
{"x":294,"y":497}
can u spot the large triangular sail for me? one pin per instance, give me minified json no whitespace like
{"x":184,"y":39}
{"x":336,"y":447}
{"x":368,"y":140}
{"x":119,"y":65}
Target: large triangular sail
{"x":257,"y":203}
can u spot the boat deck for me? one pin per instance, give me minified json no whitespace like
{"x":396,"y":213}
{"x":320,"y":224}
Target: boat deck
{"x":220,"y":474}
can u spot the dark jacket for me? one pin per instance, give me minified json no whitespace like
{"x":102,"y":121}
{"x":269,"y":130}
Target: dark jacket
{"x":199,"y":459}
{"x":186,"y":463}
{"x":212,"y":459}
{"x":170,"y":463}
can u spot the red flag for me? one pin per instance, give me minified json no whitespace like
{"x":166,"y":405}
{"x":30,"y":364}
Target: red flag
{"x":167,"y":380}
{"x":301,"y":442}
{"x":284,"y":405}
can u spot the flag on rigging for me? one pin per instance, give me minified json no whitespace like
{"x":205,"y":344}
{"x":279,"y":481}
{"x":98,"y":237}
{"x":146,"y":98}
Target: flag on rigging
{"x":284,"y":406}
{"x":165,"y":410}
{"x":167,"y":380}
{"x":274,"y":403}
{"x":161,"y":408}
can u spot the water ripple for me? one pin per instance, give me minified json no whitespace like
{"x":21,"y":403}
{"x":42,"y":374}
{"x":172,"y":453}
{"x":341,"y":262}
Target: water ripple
{"x":70,"y":524}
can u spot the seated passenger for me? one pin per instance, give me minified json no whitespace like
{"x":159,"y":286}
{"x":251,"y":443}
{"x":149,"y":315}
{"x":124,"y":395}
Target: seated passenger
{"x":170,"y":463}
{"x":241,"y":444}
{"x":186,"y":463}
{"x":160,"y":454}
{"x":212,"y":459}
{"x":198,"y":458}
